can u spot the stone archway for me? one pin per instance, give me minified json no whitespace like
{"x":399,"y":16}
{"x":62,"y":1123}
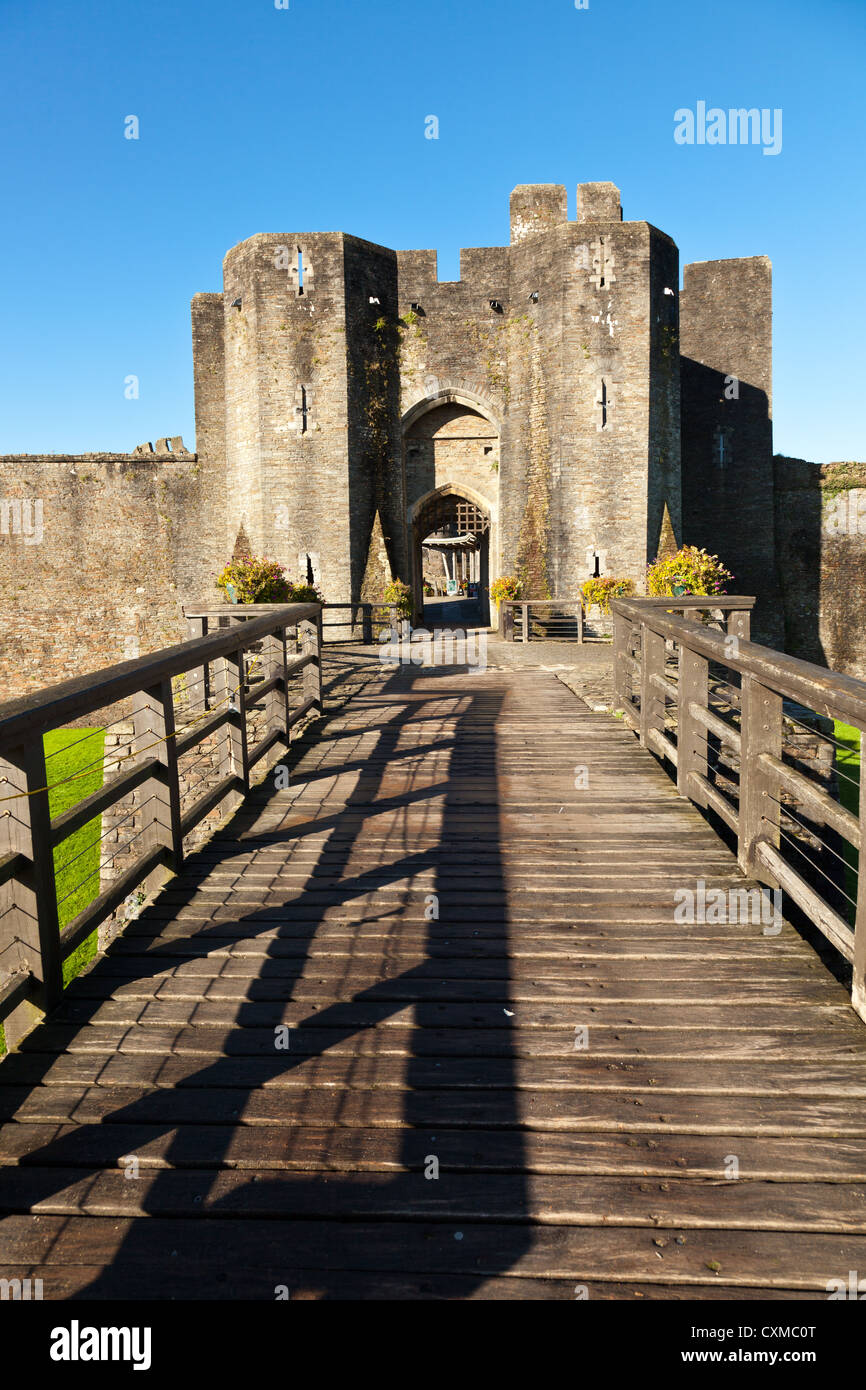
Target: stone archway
{"x":450,"y":526}
{"x":451,"y":467}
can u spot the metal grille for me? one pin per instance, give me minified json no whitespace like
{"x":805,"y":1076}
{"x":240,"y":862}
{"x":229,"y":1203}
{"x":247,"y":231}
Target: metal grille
{"x":449,"y":510}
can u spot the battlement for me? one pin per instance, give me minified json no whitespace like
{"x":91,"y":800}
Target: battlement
{"x":598,"y":202}
{"x":536,"y":208}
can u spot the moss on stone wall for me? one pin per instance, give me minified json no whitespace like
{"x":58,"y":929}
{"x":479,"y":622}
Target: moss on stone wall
{"x":533,"y":547}
{"x":836,"y":478}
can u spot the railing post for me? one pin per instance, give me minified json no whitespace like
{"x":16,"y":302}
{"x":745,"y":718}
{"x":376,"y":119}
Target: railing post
{"x":858,"y":982}
{"x":30,"y":924}
{"x":579,"y":616}
{"x":652,"y":662}
{"x":524,"y":613}
{"x":197,"y":698}
{"x":621,"y":630}
{"x":308,"y":632}
{"x":159,"y":796}
{"x":760,"y":732}
{"x":367,"y":623}
{"x":692,"y":688}
{"x":276,"y":700}
{"x":739,"y":623}
{"x":229,"y":695}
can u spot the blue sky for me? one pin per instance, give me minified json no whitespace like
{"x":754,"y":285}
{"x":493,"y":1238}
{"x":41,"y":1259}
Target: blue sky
{"x":312,"y":119}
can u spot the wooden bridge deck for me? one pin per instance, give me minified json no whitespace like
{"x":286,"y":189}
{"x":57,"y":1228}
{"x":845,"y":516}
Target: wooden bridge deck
{"x":160,"y":1142}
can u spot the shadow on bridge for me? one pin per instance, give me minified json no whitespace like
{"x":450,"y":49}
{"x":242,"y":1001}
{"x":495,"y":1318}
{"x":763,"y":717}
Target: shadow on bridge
{"x":352,"y":1221}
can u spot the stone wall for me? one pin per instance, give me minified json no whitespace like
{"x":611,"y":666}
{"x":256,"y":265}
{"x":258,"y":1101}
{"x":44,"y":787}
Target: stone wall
{"x":117,"y":544}
{"x":820,"y":513}
{"x":726,"y":370}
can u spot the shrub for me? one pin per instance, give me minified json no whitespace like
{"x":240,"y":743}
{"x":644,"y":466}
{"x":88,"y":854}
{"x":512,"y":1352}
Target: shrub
{"x":397,"y":591}
{"x":304,"y":593}
{"x":260,"y":580}
{"x":689,"y":571}
{"x":254,"y":580}
{"x":601,"y":589}
{"x":508,"y":586}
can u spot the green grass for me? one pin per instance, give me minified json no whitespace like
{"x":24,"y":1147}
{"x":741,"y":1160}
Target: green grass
{"x":848,"y":768}
{"x":70,"y":752}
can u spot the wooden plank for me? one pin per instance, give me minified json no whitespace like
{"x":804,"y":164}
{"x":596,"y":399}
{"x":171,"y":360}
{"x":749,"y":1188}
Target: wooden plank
{"x":255,"y":1283}
{"x":309,"y":636}
{"x":827,"y":810}
{"x":316,"y":1149}
{"x":233,"y":767}
{"x":111,"y":792}
{"x":455,"y":1109}
{"x":158,"y":799}
{"x":718,"y":1258}
{"x":201,"y":1063}
{"x":521,"y":1069}
{"x":676,"y":1203}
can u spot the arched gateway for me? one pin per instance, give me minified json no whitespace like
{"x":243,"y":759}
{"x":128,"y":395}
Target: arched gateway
{"x":451,"y":458}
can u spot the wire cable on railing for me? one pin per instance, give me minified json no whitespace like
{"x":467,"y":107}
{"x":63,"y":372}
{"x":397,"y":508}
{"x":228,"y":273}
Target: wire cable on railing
{"x":723,"y":743}
{"x":811,"y":862}
{"x":103,"y":729}
{"x":121,"y":849}
{"x":136,"y":810}
{"x":714,"y":756}
{"x":819,"y":733}
{"x":814,"y":834}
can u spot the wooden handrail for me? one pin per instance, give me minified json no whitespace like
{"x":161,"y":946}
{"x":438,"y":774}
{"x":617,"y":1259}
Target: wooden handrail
{"x":647,"y":628}
{"x":201,"y":616}
{"x":508,"y":606}
{"x":165,"y":727}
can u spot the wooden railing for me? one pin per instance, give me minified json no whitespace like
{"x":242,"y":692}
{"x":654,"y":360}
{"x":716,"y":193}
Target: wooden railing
{"x":368,"y":616}
{"x":516,"y":617}
{"x":692,"y":692}
{"x":231,"y":691}
{"x":365,"y":621}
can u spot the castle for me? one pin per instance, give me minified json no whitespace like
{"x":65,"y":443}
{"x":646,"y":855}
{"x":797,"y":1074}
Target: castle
{"x":562,"y":403}
{"x":555,"y":401}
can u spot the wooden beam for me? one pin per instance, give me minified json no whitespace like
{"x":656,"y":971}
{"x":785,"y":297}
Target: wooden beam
{"x":760,"y":732}
{"x":29,"y":924}
{"x":230,"y":696}
{"x":691,"y":742}
{"x":158,"y":798}
{"x":652,"y":664}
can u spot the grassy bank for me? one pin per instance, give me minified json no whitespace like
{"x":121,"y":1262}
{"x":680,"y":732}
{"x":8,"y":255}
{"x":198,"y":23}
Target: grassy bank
{"x":78,"y":754}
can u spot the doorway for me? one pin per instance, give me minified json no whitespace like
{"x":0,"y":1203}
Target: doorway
{"x":451,"y":560}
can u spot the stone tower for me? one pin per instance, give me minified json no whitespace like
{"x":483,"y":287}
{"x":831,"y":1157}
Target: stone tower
{"x":350,"y":398}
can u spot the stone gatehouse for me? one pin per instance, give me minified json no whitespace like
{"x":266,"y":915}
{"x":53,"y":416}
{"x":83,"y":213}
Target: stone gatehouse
{"x":563,"y":399}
